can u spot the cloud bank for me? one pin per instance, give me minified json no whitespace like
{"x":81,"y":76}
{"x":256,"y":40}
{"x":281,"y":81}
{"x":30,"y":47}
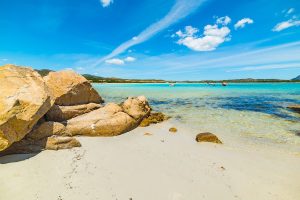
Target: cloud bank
{"x":180,"y":10}
{"x":213,"y":36}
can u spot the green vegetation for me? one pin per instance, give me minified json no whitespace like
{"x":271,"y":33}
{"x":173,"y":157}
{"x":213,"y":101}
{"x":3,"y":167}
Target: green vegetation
{"x":98,"y":79}
{"x":43,"y":72}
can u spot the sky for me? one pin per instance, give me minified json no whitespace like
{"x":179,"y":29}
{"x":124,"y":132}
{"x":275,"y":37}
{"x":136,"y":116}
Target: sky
{"x":171,"y":40}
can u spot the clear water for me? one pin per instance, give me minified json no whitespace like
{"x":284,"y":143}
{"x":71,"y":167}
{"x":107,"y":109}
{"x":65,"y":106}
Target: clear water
{"x":250,"y":112}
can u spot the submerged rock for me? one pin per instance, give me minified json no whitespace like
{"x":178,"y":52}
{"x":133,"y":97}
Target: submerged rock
{"x":24,"y":99}
{"x":208,"y":137}
{"x":62,"y":113}
{"x":154,"y":118}
{"x":295,"y":108}
{"x":69,"y":88}
{"x":173,"y":130}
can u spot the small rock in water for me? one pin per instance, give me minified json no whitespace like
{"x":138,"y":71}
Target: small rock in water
{"x":208,"y":137}
{"x":173,"y":130}
{"x":295,"y":108}
{"x":154,"y":118}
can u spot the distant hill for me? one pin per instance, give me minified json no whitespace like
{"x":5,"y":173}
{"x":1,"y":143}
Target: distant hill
{"x":296,"y":79}
{"x":100,"y":79}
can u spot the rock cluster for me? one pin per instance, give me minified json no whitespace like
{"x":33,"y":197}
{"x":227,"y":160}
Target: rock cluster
{"x":39,"y":113}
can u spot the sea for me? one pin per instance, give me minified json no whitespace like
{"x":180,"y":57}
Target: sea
{"x":250,"y":113}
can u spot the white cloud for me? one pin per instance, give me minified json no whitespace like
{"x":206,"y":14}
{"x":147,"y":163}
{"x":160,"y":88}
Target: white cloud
{"x":106,"y":3}
{"x":115,"y":61}
{"x":3,"y":59}
{"x":130,"y":59}
{"x":242,"y":23}
{"x":180,"y":10}
{"x":286,"y":24}
{"x":223,"y":20}
{"x":118,"y":61}
{"x":290,"y":11}
{"x":213,"y":36}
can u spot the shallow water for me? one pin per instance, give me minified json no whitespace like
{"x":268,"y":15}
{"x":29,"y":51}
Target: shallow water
{"x":251,"y":112}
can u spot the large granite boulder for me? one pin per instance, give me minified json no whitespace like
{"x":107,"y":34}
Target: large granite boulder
{"x":69,"y":88}
{"x":136,"y":107}
{"x":111,"y":120}
{"x":107,"y":121}
{"x":24,"y":99}
{"x":62,"y":113}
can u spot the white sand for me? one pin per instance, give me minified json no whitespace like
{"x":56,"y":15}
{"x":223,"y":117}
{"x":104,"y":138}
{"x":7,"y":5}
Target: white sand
{"x":158,"y":167}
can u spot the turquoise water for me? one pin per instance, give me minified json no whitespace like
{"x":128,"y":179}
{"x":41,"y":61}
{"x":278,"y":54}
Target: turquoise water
{"x":254,"y":112}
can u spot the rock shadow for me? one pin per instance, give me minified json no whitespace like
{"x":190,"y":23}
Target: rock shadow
{"x":16,"y":158}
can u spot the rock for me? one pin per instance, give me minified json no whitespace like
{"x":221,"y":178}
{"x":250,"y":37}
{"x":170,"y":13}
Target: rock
{"x":107,"y":121}
{"x":69,"y":88}
{"x":173,"y":130}
{"x":24,"y":99}
{"x":47,"y":129}
{"x":207,"y":137}
{"x":154,"y":118}
{"x":63,"y":113}
{"x":34,"y":146}
{"x":295,"y":108}
{"x":56,"y":143}
{"x":111,"y":120}
{"x":137,"y":108}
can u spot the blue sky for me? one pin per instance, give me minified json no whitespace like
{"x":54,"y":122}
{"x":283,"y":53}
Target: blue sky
{"x":173,"y":40}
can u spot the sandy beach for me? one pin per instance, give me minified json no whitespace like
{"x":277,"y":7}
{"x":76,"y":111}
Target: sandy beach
{"x":149,"y":100}
{"x":156,"y":165}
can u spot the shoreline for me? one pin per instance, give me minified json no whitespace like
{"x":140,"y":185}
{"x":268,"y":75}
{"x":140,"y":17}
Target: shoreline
{"x":161,"y":165}
{"x":296,"y":82}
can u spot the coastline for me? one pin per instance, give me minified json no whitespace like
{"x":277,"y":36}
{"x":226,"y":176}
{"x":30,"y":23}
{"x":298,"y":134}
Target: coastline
{"x":161,"y":165}
{"x":162,"y":161}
